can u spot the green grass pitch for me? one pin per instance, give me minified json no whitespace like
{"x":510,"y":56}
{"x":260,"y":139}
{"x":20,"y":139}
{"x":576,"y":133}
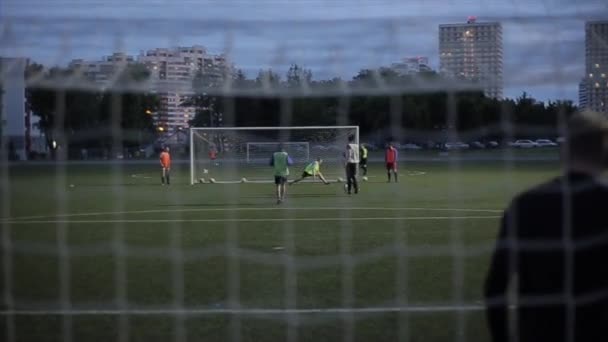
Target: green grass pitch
{"x":398,"y":261}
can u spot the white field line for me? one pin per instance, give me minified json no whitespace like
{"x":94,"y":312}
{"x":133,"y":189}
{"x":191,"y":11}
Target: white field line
{"x":260,"y":311}
{"x":300,"y":219}
{"x":140,"y":176}
{"x":235,"y":209}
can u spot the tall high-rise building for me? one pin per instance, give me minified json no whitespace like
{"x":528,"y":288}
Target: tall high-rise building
{"x":593,"y":89}
{"x":473,"y":51}
{"x":17,"y":122}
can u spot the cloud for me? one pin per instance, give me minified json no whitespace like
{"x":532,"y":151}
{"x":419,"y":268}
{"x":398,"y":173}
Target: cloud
{"x":330,"y":36}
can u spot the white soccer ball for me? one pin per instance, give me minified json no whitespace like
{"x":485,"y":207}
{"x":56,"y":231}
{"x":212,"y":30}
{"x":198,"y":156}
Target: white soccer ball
{"x":243,"y":180}
{"x":340,"y":180}
{"x":211,"y":180}
{"x":71,"y":185}
{"x":365,"y":179}
{"x":205,"y":171}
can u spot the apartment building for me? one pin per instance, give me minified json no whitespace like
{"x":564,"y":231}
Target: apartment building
{"x":473,"y":51}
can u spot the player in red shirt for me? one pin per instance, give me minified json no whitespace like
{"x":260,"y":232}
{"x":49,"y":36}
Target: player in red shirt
{"x":213,"y":155}
{"x":391,"y":159}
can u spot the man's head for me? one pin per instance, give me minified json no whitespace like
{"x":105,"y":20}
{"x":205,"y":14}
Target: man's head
{"x":166,"y":148}
{"x":351,"y":139}
{"x":586,"y":143}
{"x":319,"y":160}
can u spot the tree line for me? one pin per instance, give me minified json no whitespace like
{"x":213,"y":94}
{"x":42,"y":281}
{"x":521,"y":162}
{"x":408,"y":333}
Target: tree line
{"x":105,"y":121}
{"x":420,"y":109}
{"x":417,"y":107}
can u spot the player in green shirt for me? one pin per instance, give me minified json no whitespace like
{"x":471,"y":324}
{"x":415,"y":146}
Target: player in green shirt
{"x":363,"y":160}
{"x":280,"y":162}
{"x":312,"y":170}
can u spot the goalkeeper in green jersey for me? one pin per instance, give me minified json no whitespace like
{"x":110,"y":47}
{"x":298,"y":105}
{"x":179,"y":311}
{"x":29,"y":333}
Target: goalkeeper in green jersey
{"x":312,"y":170}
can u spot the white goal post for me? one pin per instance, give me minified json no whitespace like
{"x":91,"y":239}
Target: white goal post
{"x":236,"y":154}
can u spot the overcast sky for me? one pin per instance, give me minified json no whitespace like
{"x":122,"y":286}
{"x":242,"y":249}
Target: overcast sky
{"x":543,"y":39}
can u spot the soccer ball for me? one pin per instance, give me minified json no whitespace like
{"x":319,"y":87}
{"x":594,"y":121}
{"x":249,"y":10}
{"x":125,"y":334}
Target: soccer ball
{"x":243,"y":180}
{"x":211,"y":180}
{"x":365,"y":178}
{"x":340,"y":180}
{"x":205,"y":171}
{"x":201,"y":180}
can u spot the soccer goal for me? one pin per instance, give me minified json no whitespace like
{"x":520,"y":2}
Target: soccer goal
{"x":236,"y":154}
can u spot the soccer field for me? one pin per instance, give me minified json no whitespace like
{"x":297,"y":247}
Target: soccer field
{"x":117,"y":256}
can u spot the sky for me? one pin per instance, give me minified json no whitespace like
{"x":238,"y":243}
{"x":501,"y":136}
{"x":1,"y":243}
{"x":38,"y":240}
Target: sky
{"x":543,"y":40}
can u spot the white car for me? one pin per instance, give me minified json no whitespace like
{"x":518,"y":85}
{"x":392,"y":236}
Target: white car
{"x":523,"y":143}
{"x":410,"y":147}
{"x":456,"y":145}
{"x":493,"y":144}
{"x":545,"y":143}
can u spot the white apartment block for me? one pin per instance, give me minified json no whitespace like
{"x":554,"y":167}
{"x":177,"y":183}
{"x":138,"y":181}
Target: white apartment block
{"x":593,"y":89}
{"x":473,"y":51}
{"x":171,"y":71}
{"x":103,"y":71}
{"x":411,"y":65}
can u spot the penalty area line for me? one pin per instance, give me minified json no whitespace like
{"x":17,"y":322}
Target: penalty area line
{"x":253,"y":311}
{"x":299,"y":219}
{"x":235,"y":209}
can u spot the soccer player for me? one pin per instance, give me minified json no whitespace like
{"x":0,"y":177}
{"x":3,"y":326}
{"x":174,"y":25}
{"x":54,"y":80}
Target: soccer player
{"x":363,"y":163}
{"x":390,"y":157}
{"x":213,"y":155}
{"x":165,"y":164}
{"x":280,"y":162}
{"x":311,"y":170}
{"x":352,"y":161}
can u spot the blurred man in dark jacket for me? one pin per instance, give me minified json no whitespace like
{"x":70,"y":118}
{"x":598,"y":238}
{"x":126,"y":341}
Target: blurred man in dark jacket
{"x":550,"y":263}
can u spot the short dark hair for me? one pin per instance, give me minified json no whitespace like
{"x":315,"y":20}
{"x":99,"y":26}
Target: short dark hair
{"x":351,"y":138}
{"x":587,"y":138}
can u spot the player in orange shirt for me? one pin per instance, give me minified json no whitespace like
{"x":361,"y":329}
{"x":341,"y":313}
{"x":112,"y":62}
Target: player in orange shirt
{"x":165,"y":164}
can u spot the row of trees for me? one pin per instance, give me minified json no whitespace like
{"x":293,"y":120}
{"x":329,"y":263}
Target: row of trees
{"x":418,"y":107}
{"x":380,"y":101}
{"x":76,"y":119}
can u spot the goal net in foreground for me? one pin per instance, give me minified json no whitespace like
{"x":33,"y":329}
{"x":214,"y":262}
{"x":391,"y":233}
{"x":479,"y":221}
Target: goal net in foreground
{"x":231,"y":154}
{"x":94,"y":248}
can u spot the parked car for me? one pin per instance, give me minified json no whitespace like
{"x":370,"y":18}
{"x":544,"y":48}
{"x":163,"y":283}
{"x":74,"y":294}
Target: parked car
{"x":492,"y":144}
{"x":545,"y":143}
{"x":477,"y":145}
{"x":523,"y":143}
{"x":458,"y":145}
{"x":410,"y":146}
